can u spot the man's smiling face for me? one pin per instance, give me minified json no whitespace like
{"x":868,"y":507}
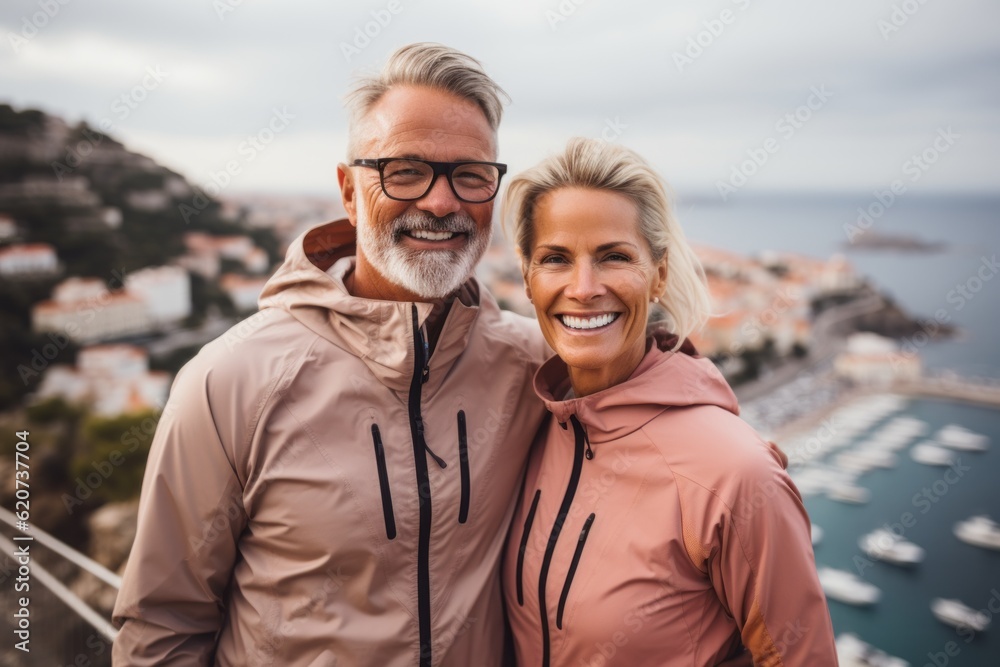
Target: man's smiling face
{"x":425,"y":249}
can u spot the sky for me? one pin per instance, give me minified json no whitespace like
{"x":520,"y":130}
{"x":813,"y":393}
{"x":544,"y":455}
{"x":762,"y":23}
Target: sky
{"x":726,"y":98}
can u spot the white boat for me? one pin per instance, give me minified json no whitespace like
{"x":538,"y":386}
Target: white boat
{"x":884,"y":545}
{"x":853,"y":652}
{"x":854,"y":462}
{"x":847,"y":587}
{"x":815,"y":534}
{"x":959,"y":437}
{"x":875,"y":456}
{"x":930,"y":454}
{"x":846,"y":492}
{"x":981,"y":531}
{"x":959,"y":615}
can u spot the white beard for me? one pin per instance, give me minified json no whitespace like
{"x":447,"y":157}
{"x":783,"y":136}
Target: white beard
{"x":430,"y":274}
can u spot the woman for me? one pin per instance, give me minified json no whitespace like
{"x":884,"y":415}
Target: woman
{"x":655,"y":527}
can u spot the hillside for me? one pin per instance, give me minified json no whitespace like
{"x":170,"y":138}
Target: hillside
{"x":106,"y":210}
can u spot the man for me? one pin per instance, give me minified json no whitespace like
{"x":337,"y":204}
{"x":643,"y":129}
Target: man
{"x":332,"y":480}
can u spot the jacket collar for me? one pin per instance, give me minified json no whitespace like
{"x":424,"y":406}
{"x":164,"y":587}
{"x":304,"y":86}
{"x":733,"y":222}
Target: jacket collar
{"x":663,"y":379}
{"x":309,"y":285}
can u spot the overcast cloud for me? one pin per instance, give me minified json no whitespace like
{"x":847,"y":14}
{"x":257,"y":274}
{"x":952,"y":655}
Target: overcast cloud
{"x":884,"y":77}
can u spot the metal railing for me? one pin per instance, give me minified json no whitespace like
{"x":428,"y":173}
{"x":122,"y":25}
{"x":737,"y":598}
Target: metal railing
{"x":50,"y":595}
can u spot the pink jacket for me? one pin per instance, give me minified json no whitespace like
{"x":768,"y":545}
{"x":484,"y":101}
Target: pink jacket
{"x":655,"y":527}
{"x":316,"y":494}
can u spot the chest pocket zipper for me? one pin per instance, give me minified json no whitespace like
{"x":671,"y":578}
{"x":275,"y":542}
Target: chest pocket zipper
{"x":383,"y":482}
{"x":463,"y":459}
{"x":572,"y":569}
{"x":524,"y":546}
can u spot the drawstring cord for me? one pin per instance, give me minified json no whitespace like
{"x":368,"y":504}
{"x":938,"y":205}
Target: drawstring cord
{"x":589,"y":453}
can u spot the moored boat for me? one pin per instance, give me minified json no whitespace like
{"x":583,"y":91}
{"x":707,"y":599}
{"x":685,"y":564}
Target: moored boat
{"x":847,"y":587}
{"x":959,"y":615}
{"x":846,"y":492}
{"x":980,"y":531}
{"x":884,"y":545}
{"x":853,"y":652}
{"x":959,"y":437}
{"x":932,"y":455}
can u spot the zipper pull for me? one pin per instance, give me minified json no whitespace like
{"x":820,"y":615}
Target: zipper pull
{"x":586,"y":439}
{"x":425,"y":374}
{"x":420,"y":431}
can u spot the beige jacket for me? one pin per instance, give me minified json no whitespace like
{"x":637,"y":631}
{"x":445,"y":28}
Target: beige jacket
{"x":317,"y":495}
{"x":656,"y":529}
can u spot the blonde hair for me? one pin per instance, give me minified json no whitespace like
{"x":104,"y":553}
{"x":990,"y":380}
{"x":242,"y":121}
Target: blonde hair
{"x":601,"y":165}
{"x":430,"y":65}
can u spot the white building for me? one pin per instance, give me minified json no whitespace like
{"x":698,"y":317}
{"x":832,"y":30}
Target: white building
{"x":28,"y":259}
{"x":243,"y":291}
{"x":111,"y":216}
{"x":77,"y":289}
{"x":111,"y":379}
{"x":234,"y":247}
{"x":84,"y":310}
{"x":8,"y":228}
{"x":255,"y":261}
{"x":874,"y":360}
{"x":205,"y":264}
{"x":148,"y":200}
{"x":165,"y":290}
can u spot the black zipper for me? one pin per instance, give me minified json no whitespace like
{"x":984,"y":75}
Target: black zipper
{"x":572,"y":569}
{"x":383,"y":482}
{"x":423,"y":494}
{"x":524,"y":546}
{"x":463,"y":459}
{"x":567,"y":502}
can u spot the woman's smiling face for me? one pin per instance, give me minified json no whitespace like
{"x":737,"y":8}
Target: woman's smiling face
{"x":591,"y":277}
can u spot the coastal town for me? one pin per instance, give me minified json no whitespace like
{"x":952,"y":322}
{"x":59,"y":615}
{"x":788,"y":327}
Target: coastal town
{"x":108,"y":297}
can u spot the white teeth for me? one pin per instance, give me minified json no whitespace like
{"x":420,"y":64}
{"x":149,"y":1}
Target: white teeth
{"x":431,"y":236}
{"x":588,"y":322}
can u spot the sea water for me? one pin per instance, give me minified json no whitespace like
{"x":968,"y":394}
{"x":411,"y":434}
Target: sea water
{"x":959,"y":286}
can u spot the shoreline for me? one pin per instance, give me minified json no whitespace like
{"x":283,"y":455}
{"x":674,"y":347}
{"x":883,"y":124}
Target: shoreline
{"x":929,"y":388}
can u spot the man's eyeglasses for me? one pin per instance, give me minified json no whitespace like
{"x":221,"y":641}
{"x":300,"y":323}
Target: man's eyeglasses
{"x":409,"y":179}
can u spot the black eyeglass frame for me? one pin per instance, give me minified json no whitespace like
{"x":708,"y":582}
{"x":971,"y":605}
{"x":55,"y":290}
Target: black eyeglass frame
{"x":445,"y":169}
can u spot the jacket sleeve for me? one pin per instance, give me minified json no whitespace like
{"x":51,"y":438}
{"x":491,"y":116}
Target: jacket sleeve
{"x":765,"y":571}
{"x":170,"y":606}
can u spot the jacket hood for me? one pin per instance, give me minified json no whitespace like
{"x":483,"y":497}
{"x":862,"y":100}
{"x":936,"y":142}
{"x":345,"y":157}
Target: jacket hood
{"x":379,"y":332}
{"x":663,"y":379}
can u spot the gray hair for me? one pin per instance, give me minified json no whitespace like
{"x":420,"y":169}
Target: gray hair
{"x":431,"y":65}
{"x":601,"y":165}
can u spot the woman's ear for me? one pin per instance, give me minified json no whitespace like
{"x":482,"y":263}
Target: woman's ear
{"x":524,"y":273}
{"x":660,"y":281}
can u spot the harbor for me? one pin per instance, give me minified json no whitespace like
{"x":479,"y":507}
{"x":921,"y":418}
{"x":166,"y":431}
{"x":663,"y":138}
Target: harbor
{"x":916,"y":566}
